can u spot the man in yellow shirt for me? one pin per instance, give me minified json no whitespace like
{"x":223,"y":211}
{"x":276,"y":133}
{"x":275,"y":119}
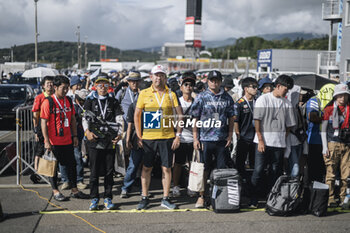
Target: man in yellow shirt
{"x":158,"y":106}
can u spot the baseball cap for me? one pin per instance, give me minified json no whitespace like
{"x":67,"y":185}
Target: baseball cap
{"x":102,"y":77}
{"x":228,"y":82}
{"x":158,"y":69}
{"x":215,"y":74}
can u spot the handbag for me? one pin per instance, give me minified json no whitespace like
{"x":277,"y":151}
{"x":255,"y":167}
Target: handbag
{"x":196,"y":179}
{"x":47,"y":164}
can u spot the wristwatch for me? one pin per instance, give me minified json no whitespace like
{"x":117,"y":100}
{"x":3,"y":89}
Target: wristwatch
{"x":178,"y":134}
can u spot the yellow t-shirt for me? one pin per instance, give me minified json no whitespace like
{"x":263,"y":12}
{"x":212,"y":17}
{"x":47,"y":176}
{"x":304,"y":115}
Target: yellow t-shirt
{"x":157,"y":120}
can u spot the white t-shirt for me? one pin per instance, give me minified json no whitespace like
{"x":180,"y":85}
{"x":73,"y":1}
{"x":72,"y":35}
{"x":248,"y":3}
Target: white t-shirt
{"x":275,"y":114}
{"x":187,"y":135}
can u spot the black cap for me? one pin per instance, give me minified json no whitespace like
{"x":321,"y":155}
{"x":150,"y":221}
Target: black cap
{"x":214,"y":74}
{"x":228,"y":83}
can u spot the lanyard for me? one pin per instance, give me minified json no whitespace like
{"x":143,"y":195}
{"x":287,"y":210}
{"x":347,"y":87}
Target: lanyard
{"x":61,"y":109}
{"x":160,"y":103}
{"x":251,"y":109}
{"x":213,"y":101}
{"x":103,"y":112}
{"x":131,"y":96}
{"x":80,"y":107}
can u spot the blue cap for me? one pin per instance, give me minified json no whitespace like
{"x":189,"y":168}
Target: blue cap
{"x":264,"y":81}
{"x":75,"y":80}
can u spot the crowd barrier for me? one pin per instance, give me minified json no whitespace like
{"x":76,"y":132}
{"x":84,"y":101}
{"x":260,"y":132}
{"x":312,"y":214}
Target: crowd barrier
{"x":25,"y":142}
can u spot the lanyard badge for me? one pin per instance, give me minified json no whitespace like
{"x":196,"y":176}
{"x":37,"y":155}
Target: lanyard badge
{"x":63,"y":109}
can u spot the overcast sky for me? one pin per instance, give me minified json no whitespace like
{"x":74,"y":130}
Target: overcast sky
{"x":129,"y":24}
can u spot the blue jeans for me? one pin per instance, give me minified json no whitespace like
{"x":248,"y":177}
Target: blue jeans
{"x":293,"y":160}
{"x":135,"y":160}
{"x":79,"y":167}
{"x":272,"y":156}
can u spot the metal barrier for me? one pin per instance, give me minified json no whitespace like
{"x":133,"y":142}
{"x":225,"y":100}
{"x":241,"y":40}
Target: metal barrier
{"x":25,"y":142}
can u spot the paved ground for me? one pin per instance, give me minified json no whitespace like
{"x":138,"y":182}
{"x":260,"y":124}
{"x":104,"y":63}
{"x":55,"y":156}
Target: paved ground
{"x":26,"y":212}
{"x":23,"y":215}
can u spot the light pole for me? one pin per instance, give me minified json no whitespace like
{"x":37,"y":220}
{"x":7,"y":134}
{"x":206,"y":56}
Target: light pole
{"x":36,"y":31}
{"x":79,"y":58}
{"x":86,"y":53}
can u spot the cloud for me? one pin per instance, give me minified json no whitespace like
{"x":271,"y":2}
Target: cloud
{"x":145,"y":23}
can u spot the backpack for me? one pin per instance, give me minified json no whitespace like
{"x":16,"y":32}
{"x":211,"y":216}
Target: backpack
{"x":121,"y":97}
{"x":52,"y":106}
{"x":225,"y":190}
{"x":319,"y":199}
{"x":284,"y":197}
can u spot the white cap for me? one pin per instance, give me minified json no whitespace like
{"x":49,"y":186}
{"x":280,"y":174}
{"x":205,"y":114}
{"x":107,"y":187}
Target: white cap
{"x":341,"y":89}
{"x":158,"y":69}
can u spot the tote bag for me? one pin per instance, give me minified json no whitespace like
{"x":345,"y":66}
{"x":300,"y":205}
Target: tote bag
{"x":196,"y":180}
{"x":47,"y":164}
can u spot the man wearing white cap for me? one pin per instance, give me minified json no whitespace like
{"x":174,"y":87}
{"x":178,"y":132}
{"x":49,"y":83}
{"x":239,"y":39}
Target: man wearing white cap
{"x":335,"y":141}
{"x":157,"y":104}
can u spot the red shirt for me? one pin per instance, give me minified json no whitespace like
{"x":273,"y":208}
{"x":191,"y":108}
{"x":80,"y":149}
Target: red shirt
{"x":39,"y":99}
{"x":52,"y":123}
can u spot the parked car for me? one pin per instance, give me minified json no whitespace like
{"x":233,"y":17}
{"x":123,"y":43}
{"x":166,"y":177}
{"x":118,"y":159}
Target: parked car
{"x":33,"y":82}
{"x":13,"y":96}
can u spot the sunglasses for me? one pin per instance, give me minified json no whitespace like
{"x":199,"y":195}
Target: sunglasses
{"x":102,"y":85}
{"x":188,"y":84}
{"x":254,"y":86}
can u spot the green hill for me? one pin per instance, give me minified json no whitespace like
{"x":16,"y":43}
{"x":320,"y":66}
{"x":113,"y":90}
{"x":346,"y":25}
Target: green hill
{"x":64,"y":54}
{"x":248,"y":47}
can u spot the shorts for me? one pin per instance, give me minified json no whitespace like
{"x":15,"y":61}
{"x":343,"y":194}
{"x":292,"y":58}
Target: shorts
{"x":163,"y":146}
{"x":39,"y":148}
{"x":184,"y":153}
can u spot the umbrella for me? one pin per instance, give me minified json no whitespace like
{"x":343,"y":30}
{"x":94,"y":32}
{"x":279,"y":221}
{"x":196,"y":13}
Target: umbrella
{"x":311,"y":81}
{"x":39,"y":72}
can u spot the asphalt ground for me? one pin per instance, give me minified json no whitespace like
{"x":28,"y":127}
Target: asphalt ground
{"x":26,"y":212}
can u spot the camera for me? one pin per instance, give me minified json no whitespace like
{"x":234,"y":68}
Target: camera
{"x":344,"y":135}
{"x":60,"y":132}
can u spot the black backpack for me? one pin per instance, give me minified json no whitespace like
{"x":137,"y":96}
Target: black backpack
{"x":319,"y":199}
{"x":284,"y":197}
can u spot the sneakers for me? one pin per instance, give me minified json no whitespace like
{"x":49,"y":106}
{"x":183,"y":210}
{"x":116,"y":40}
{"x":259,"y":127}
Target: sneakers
{"x":108,"y":204}
{"x":124,"y":194}
{"x":253,"y":203}
{"x":176,"y":191}
{"x":143,"y":203}
{"x":167,"y":204}
{"x":80,"y":195}
{"x":65,"y":186}
{"x":94,"y":204}
{"x":200,"y":202}
{"x":81,"y":185}
{"x":60,"y":197}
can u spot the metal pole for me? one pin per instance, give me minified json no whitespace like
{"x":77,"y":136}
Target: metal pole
{"x":85,"y":54}
{"x":330,"y":36}
{"x":36,"y":32}
{"x":11,"y":54}
{"x":18,"y":146}
{"x":79,"y":58}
